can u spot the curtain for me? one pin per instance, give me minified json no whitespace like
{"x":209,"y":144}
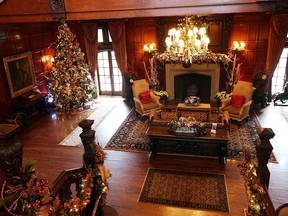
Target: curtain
{"x":118,"y":35}
{"x":277,"y":37}
{"x":90,"y":31}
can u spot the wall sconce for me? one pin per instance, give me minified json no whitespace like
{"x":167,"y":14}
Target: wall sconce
{"x":47,"y":59}
{"x":238,"y":47}
{"x":150,"y":48}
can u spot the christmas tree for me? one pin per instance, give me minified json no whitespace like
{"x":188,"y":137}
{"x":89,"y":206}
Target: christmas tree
{"x":71,"y":82}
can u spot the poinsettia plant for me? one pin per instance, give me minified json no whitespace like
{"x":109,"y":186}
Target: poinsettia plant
{"x":129,"y":79}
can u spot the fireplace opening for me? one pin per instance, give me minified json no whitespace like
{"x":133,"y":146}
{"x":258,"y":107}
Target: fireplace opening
{"x":192,"y":85}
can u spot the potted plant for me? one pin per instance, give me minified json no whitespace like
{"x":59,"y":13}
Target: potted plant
{"x":162,"y":94}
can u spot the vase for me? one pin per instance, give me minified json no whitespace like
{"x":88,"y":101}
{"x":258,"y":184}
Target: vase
{"x":163,"y":101}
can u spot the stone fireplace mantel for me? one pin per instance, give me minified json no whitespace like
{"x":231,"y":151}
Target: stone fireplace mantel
{"x":173,"y":70}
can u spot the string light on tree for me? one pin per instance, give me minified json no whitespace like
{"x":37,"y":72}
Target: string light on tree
{"x":71,"y":82}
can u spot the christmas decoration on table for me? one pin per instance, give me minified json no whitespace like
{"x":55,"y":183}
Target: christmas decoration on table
{"x":187,"y":125}
{"x":253,"y":188}
{"x":71,"y":81}
{"x":192,"y":101}
{"x":26,"y":194}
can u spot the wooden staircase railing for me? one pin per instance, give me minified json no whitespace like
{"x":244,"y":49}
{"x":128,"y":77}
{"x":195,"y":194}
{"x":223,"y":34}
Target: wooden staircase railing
{"x":263,"y":153}
{"x":68,"y":184}
{"x":66,"y":179}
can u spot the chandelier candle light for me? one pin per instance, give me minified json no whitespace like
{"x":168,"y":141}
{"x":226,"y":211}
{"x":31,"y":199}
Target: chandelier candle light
{"x":189,"y":42}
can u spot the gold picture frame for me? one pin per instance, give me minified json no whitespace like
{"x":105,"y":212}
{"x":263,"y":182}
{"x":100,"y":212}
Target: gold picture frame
{"x":20,"y":73}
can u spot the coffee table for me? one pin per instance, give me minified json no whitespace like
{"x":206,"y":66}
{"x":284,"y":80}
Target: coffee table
{"x":202,"y":112}
{"x":208,"y":145}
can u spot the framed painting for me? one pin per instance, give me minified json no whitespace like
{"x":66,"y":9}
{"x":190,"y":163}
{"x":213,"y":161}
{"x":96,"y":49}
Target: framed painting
{"x":20,"y":73}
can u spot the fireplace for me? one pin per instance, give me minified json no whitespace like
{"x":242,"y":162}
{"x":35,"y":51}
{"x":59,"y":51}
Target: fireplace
{"x":200,"y":79}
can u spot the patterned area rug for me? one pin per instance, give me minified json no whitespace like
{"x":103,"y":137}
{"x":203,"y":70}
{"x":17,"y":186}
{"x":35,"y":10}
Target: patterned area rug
{"x":102,"y":110}
{"x":169,"y":187}
{"x":131,"y":135}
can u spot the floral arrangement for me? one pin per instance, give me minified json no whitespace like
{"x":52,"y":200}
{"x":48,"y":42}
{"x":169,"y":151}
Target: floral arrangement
{"x":129,"y":79}
{"x":162,"y":94}
{"x":27,"y":194}
{"x":247,"y":168}
{"x":151,"y":73}
{"x":192,"y":101}
{"x":260,"y":94}
{"x":188,"y":125}
{"x":222,"y":95}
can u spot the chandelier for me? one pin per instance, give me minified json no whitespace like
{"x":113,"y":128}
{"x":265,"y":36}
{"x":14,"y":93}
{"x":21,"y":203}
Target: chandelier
{"x":188,"y":43}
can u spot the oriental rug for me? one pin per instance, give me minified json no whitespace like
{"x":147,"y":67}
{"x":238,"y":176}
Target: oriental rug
{"x":100,"y":113}
{"x":131,"y":135}
{"x":206,"y":191}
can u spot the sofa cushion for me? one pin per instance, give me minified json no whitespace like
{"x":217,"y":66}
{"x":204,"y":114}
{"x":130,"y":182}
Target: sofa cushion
{"x":145,"y":97}
{"x":237,"y":101}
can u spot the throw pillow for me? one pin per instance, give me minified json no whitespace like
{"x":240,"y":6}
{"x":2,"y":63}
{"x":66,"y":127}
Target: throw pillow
{"x":237,"y":101}
{"x":145,"y":97}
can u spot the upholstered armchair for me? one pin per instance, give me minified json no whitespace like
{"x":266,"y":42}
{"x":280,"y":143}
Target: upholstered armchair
{"x":238,"y":105}
{"x":144,"y":99}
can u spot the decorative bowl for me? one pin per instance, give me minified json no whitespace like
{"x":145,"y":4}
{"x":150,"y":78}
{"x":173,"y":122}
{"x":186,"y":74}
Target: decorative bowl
{"x":192,"y":101}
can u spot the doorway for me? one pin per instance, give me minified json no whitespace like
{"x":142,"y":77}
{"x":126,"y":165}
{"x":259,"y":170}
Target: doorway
{"x":109,"y":75}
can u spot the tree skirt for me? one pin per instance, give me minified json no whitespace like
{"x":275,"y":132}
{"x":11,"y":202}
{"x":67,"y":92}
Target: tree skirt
{"x":169,"y":187}
{"x":131,"y":135}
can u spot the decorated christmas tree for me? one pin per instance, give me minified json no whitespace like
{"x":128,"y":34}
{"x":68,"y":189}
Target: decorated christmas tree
{"x":71,"y":82}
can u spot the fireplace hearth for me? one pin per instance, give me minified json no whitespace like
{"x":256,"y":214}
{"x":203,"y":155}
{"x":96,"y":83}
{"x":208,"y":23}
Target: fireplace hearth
{"x":200,"y":80}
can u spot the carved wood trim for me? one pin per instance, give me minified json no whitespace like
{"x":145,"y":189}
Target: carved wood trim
{"x":57,"y":9}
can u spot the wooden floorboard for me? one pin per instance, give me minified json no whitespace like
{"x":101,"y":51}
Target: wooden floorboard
{"x":45,"y":131}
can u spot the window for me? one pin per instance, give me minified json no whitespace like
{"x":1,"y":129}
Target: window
{"x":109,"y":75}
{"x":280,"y":74}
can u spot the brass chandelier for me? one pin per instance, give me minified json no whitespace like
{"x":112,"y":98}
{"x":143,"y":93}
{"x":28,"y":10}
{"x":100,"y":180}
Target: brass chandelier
{"x":188,"y":43}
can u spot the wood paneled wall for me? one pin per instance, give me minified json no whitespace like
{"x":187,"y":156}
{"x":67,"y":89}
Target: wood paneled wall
{"x":253,"y":29}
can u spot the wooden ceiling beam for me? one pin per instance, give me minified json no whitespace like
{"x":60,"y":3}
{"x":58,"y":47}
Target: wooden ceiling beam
{"x":41,"y":10}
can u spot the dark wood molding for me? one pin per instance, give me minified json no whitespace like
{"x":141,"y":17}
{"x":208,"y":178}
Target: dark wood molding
{"x":57,"y":9}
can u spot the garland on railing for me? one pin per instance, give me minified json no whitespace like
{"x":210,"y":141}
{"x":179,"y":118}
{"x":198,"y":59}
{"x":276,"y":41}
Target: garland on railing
{"x":26,"y":194}
{"x":253,"y":188}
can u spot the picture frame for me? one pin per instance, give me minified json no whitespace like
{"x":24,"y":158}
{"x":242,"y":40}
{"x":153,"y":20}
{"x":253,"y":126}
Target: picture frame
{"x":20,"y":73}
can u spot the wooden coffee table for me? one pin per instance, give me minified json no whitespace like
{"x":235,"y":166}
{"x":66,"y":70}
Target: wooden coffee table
{"x":210,"y":145}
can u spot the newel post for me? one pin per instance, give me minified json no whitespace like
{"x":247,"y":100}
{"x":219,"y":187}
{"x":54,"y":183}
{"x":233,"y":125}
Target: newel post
{"x":263,"y":152}
{"x":87,"y":137}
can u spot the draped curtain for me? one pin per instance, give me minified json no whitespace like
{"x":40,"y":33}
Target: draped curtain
{"x":277,"y":37}
{"x":90,"y":31}
{"x":118,"y":35}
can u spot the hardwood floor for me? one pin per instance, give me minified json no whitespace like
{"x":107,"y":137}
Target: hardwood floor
{"x":129,"y":169}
